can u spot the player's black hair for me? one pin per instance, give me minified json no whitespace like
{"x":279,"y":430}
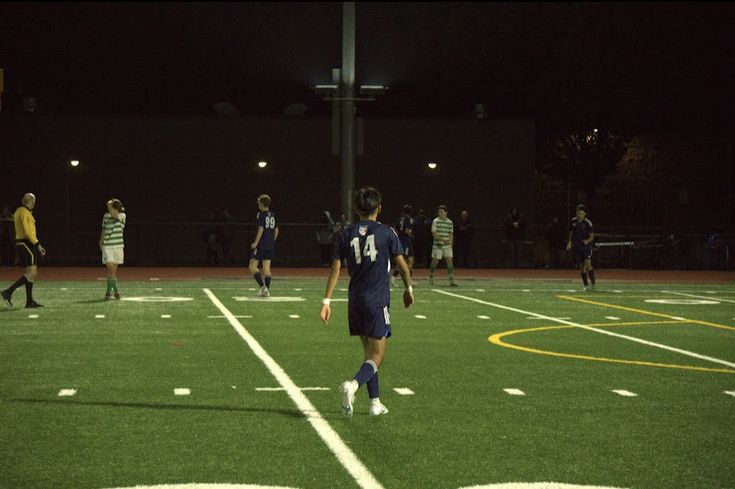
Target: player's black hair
{"x":265,"y":199}
{"x":407,"y":209}
{"x":443,"y":207}
{"x":580,"y":207}
{"x":366,"y":201}
{"x":116,"y":204}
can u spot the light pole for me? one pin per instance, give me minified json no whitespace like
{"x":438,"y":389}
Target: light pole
{"x":72,"y":164}
{"x":341,"y":94}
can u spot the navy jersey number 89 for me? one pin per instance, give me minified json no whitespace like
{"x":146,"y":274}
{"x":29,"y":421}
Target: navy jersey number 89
{"x":368,"y":247}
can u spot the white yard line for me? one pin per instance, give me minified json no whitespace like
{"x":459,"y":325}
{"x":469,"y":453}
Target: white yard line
{"x":596,"y":330}
{"x":345,"y":456}
{"x":710,"y":298}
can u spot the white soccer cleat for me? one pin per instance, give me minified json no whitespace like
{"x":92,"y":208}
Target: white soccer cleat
{"x":266,"y":291}
{"x":377,"y":409}
{"x":349,"y":388}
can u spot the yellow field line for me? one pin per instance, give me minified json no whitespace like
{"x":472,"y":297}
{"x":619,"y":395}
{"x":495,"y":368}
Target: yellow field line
{"x":497,"y":340}
{"x":642,"y":311}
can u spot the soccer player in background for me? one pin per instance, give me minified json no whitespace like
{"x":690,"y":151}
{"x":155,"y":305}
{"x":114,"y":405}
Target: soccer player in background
{"x":264,"y":245}
{"x":442,"y":229}
{"x":404,"y":227}
{"x":112,"y":245}
{"x":27,"y":248}
{"x":367,"y":247}
{"x":580,"y":242}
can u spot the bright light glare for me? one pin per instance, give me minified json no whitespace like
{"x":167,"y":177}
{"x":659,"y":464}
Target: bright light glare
{"x":262,"y":164}
{"x":432,"y":165}
{"x":74,"y":162}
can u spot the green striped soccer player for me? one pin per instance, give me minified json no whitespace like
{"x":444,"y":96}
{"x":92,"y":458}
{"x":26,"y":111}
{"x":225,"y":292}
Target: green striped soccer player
{"x":112,"y":245}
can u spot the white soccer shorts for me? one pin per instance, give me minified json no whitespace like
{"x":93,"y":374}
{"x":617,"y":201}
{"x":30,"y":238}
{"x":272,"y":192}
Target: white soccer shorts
{"x":443,"y":252}
{"x":113,"y":255}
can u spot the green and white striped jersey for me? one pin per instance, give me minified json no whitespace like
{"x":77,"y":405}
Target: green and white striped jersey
{"x":444,"y":228}
{"x":113,"y":230}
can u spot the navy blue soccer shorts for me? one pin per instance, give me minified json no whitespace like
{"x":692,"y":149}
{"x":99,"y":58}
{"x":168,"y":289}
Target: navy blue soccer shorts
{"x":582,"y":253}
{"x":373,"y":321}
{"x":261,"y":254}
{"x":407,"y":248}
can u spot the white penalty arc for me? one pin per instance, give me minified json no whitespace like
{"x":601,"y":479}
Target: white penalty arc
{"x":195,"y":485}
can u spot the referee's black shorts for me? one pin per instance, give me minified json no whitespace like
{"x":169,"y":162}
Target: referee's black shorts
{"x":26,"y":252}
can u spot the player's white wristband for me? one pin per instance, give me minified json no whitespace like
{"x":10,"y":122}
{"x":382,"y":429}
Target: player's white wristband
{"x":410,"y":289}
{"x":326,"y":301}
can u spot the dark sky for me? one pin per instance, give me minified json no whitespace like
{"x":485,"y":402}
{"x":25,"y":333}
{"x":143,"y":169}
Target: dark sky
{"x":638,"y":66}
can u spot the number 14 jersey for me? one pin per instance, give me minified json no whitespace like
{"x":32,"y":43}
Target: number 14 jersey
{"x":367,"y":247}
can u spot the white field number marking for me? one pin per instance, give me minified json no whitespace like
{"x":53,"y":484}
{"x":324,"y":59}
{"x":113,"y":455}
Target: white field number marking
{"x":624,"y":393}
{"x":182,"y":391}
{"x":515,"y":392}
{"x":403,"y":391}
{"x":67,"y":392}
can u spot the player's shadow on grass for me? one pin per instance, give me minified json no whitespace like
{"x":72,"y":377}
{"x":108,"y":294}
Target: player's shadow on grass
{"x":93,"y":301}
{"x":295,"y":413}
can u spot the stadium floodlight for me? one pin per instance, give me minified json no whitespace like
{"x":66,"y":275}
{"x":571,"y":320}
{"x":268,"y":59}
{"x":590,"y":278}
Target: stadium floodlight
{"x":262,"y":164}
{"x":325,"y":89}
{"x":74,"y":163}
{"x":372,"y":90}
{"x":431,"y":165}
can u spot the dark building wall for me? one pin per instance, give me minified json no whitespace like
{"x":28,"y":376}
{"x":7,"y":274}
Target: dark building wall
{"x":177,"y":171}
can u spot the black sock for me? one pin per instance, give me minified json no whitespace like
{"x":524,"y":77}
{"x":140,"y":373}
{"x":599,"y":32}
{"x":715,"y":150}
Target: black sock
{"x":584,"y":278}
{"x":591,"y":273}
{"x":29,"y":292}
{"x":22,"y":280}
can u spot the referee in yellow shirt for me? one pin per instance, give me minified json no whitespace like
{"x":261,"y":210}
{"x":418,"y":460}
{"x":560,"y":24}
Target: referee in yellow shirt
{"x":27,"y":248}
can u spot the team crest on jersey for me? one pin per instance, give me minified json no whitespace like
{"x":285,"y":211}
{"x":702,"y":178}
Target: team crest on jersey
{"x":362,"y":230}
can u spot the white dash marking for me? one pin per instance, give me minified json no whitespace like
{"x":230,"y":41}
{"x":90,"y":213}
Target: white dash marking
{"x":65,"y":288}
{"x":618,"y":291}
{"x":158,"y":289}
{"x":182,"y":391}
{"x":33,"y":316}
{"x":67,"y":392}
{"x":479,"y":290}
{"x":99,"y":316}
{"x":403,"y":391}
{"x":252,"y":289}
{"x":483,"y":317}
{"x":298,"y":290}
{"x":624,"y":393}
{"x":343,"y":290}
{"x":279,"y":389}
{"x":234,"y":387}
{"x":730,"y":393}
{"x":165,"y":316}
{"x":525,"y":290}
{"x":612,"y":318}
{"x":515,"y":392}
{"x":420,"y":316}
{"x":293,"y":316}
{"x":154,"y":279}
{"x":571,"y":290}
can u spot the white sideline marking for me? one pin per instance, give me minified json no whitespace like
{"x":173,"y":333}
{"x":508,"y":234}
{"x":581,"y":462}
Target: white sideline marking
{"x":278,"y":389}
{"x":483,"y":317}
{"x":624,"y":393}
{"x":537,"y":318}
{"x":99,"y":316}
{"x":531,"y":485}
{"x":698,"y":296}
{"x":420,"y":316}
{"x":197,"y":485}
{"x":678,"y":318}
{"x":612,"y":318}
{"x":683,"y":302}
{"x":515,"y":392}
{"x":293,"y":316}
{"x":479,"y":290}
{"x":33,"y":316}
{"x":182,"y":391}
{"x":596,"y":330}
{"x":165,"y":316}
{"x":67,"y":392}
{"x":339,"y":448}
{"x":730,"y":393}
{"x":403,"y":391}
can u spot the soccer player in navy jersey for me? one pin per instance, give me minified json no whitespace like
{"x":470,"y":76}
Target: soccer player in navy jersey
{"x":404,"y":227}
{"x":367,"y":247}
{"x":580,"y":242}
{"x":264,"y":245}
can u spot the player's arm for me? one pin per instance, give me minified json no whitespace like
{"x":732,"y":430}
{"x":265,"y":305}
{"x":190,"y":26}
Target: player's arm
{"x":590,"y":239}
{"x":102,"y":237}
{"x":111,"y":210}
{"x":326,"y":311}
{"x":569,"y":241}
{"x":258,"y":235}
{"x":275,"y":234}
{"x":406,"y":276}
